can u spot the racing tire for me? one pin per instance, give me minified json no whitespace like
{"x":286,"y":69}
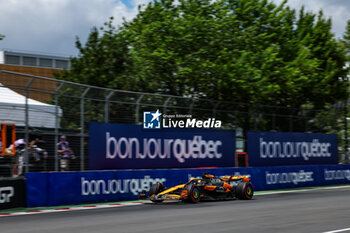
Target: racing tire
{"x":194,"y":194}
{"x":244,"y":191}
{"x":156,"y":188}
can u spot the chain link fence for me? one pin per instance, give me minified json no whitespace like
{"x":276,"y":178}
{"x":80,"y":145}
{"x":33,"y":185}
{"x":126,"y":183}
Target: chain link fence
{"x":44,"y":109}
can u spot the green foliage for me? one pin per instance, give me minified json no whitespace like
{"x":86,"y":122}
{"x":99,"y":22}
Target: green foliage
{"x":103,"y":61}
{"x":250,"y":51}
{"x":346,"y":37}
{"x":2,"y":37}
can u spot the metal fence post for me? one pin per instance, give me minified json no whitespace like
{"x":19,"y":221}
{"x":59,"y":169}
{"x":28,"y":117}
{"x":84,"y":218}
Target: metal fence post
{"x":110,"y":94}
{"x":191,"y":107}
{"x":255,"y":120}
{"x":165,"y":105}
{"x":82,"y":119}
{"x":137,"y":120}
{"x":346,"y":128}
{"x":56,"y":124}
{"x":306,"y":124}
{"x":215,"y":107}
{"x":27,"y":124}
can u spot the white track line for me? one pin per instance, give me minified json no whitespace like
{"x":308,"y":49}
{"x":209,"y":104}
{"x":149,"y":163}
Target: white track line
{"x":87,"y":207}
{"x":340,"y":230}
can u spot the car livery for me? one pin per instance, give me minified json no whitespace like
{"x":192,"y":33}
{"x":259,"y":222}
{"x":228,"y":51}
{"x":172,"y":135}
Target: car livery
{"x":208,"y":187}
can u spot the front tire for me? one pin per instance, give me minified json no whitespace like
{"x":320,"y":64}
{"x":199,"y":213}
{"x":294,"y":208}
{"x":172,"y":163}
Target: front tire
{"x":155,"y":189}
{"x":244,"y":191}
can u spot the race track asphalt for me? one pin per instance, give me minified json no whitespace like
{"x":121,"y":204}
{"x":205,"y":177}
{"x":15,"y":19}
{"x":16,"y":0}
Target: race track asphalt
{"x":311,"y":211}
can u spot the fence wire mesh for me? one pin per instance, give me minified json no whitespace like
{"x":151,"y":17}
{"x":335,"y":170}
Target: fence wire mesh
{"x":44,"y":109}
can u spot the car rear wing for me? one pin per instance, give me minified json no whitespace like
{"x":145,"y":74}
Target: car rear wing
{"x":244,"y":178}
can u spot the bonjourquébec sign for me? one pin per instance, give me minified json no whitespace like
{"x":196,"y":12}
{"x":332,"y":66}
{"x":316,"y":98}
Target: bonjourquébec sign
{"x":121,"y":146}
{"x":282,"y":148}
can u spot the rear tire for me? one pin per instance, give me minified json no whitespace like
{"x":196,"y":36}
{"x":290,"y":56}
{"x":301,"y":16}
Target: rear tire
{"x":194,"y":194}
{"x":244,"y":191}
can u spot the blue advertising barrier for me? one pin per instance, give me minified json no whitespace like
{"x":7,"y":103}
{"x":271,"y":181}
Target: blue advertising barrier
{"x":279,"y":149}
{"x":118,"y":146}
{"x":63,"y":188}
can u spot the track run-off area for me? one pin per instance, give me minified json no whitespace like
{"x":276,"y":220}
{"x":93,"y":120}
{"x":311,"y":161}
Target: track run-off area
{"x":325,"y":209}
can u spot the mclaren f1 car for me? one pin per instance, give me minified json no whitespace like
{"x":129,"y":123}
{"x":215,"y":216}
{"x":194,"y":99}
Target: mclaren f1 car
{"x":207,"y":188}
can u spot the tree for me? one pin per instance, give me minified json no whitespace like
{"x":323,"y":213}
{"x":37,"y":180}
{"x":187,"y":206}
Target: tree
{"x":103,"y":61}
{"x":346,"y":38}
{"x":249,"y":51}
{"x":2,"y":37}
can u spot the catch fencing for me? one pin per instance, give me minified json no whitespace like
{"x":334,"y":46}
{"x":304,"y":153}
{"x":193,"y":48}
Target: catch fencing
{"x":66,"y":108}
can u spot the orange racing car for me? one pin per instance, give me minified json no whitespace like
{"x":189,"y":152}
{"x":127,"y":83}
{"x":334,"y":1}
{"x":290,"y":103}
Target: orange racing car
{"x":208,"y":187}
